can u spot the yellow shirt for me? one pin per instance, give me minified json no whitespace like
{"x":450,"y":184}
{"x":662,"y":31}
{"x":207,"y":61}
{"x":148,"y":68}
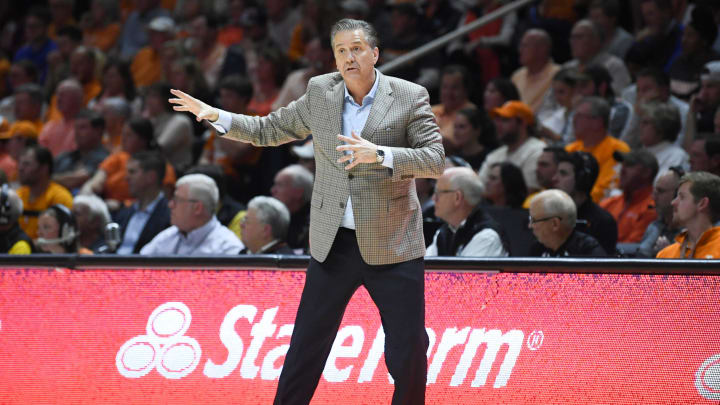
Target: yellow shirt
{"x":603,"y":153}
{"x":54,"y":194}
{"x":20,"y":248}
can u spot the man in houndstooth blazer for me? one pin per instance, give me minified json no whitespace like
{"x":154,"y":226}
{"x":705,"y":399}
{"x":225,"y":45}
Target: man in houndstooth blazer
{"x":366,"y":222}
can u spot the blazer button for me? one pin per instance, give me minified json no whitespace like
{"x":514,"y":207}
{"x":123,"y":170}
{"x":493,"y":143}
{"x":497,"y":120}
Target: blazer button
{"x":350,"y":176}
{"x":342,"y":205}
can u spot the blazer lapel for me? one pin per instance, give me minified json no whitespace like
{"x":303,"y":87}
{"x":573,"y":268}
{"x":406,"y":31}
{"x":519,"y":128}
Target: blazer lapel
{"x":381,"y":106}
{"x":334,"y":98}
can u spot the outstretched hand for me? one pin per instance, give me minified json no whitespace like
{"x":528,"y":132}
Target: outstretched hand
{"x":185,"y":102}
{"x":363,"y":151}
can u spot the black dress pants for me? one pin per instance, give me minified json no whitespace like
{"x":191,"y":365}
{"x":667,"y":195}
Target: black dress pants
{"x":398,"y":292}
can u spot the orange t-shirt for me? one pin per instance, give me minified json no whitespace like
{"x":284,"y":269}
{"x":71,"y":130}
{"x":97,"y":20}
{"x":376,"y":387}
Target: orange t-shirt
{"x":632,"y":217}
{"x":103,"y":38}
{"x":146,"y":68}
{"x":603,"y":153}
{"x":116,"y":186}
{"x":708,"y":247}
{"x":54,"y":194}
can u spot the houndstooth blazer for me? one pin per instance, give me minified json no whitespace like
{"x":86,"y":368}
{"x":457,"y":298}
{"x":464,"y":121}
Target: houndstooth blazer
{"x":388,"y":219}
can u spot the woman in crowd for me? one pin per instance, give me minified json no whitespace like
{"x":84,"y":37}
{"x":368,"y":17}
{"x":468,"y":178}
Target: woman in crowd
{"x":499,"y":91}
{"x":659,"y":127}
{"x":474,"y":136}
{"x":505,"y":186}
{"x":57,"y":232}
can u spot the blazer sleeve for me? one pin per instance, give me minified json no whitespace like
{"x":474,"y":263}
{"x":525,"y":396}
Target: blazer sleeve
{"x":425,"y":156}
{"x":284,"y":125}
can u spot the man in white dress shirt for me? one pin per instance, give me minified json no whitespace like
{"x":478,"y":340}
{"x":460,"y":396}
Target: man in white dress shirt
{"x":195,"y":230}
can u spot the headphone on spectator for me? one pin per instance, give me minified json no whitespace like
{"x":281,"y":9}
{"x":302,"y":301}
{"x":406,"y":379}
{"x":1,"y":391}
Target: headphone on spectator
{"x":66,"y":222}
{"x":586,"y":171}
{"x":4,"y":205}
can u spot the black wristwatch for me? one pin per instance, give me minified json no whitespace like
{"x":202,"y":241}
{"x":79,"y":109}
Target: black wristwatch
{"x":379,"y":155}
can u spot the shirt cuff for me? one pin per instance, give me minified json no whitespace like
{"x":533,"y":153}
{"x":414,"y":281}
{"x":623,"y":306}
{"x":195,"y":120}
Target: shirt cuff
{"x":388,"y":161}
{"x":223,"y":123}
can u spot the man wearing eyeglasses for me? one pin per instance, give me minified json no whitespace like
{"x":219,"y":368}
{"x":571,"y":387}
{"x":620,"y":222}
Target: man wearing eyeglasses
{"x":468,"y":230}
{"x":195,"y":230}
{"x":552,"y":219}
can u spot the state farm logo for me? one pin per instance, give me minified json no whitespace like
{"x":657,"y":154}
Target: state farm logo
{"x":164,"y":348}
{"x":707,"y":378}
{"x":470,"y":354}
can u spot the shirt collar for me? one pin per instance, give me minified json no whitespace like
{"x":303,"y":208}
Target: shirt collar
{"x":197,"y":235}
{"x":150,"y":207}
{"x":370,"y":96}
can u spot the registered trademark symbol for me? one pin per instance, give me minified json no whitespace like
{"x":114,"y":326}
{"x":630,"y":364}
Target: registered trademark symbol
{"x":535,"y":340}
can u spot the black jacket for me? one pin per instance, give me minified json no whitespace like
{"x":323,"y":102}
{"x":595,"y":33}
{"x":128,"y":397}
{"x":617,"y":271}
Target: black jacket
{"x":578,"y":244}
{"x":449,"y":242}
{"x":598,"y":223}
{"x":12,"y":236}
{"x":158,"y":221}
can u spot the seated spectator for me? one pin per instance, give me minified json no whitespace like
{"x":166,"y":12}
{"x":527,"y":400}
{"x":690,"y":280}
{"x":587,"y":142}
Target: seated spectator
{"x":652,"y":85}
{"x":149,"y":214}
{"x":92,"y":215}
{"x":117,"y":82}
{"x":555,"y":114}
{"x":82,"y":69}
{"x":13,"y":240}
{"x":659,"y":42}
{"x":552,"y":220}
{"x":116,"y":111}
{"x":57,"y":232}
{"x":590,"y":122}
{"x":505,"y":186}
{"x":195,"y":230}
{"x":663,"y":230}
{"x":37,"y":45}
{"x":696,"y":208}
{"x":474,"y":136}
{"x":20,"y":73}
{"x":534,"y":78}
{"x":586,"y":44}
{"x":266,"y":74}
{"x":596,"y":81}
{"x":29,"y":106}
{"x":454,"y":88}
{"x":634,"y":209}
{"x":173,"y":131}
{"x":467,"y":229}
{"x":20,"y":136}
{"x":660,"y":124}
{"x":146,"y":65}
{"x":576,"y":174}
{"x":58,"y":134}
{"x":68,"y":39}
{"x":698,"y":38}
{"x":109,"y":180}
{"x":704,"y":104}
{"x":499,"y":91}
{"x":61,"y":12}
{"x":37,"y":191}
{"x":134,"y":34}
{"x":101,"y":25}
{"x":606,"y":14}
{"x":513,"y":122}
{"x":265,"y":227}
{"x":228,"y":207}
{"x":74,"y":168}
{"x":705,"y":154}
{"x":293,"y":186}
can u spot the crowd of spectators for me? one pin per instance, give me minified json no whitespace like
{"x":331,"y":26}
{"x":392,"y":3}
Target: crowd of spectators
{"x":571,"y":128}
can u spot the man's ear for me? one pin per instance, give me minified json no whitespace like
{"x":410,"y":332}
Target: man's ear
{"x":703,"y":204}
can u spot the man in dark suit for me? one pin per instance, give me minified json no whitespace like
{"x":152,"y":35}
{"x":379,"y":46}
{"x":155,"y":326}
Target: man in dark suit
{"x":372,"y":135}
{"x":150,"y":213}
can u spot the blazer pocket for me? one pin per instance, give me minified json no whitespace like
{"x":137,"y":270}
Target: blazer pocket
{"x":317,"y":200}
{"x":400,"y":204}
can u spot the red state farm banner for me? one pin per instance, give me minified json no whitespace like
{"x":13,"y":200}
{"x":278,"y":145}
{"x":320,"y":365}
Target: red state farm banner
{"x":195,"y":336}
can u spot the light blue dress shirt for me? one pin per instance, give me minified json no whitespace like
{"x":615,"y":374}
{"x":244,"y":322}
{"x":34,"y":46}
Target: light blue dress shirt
{"x":210,"y":239}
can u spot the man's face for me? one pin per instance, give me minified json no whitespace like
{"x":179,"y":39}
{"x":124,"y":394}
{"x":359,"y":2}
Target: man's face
{"x":564,"y":178}
{"x":86,"y":136}
{"x":136,"y":178}
{"x":699,"y":160}
{"x":664,"y":193}
{"x":584,"y":122}
{"x":648,"y":90}
{"x":691,"y":41}
{"x":452,"y":91}
{"x":541,"y":227}
{"x":445,"y":197}
{"x":583,"y":42}
{"x":354,"y":58}
{"x":709,"y":95}
{"x":545,"y":170}
{"x":600,"y":19}
{"x":633,"y":177}
{"x":81,"y":66}
{"x":25,"y":108}
{"x":284,"y":190}
{"x":530,"y":49}
{"x":654,"y":18}
{"x":508,"y":129}
{"x":684,"y":206}
{"x":28,"y":169}
{"x":254,"y":233}
{"x":183,"y":208}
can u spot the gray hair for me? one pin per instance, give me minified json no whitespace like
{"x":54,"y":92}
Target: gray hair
{"x":665,"y":118}
{"x":348,"y":24}
{"x":558,"y":203}
{"x":593,"y":27}
{"x":16,"y":205}
{"x":202,"y":188}
{"x":599,"y":108}
{"x":273,"y":212}
{"x":97,"y":207}
{"x":33,"y":90}
{"x":118,"y":105}
{"x":469,"y":183}
{"x":302,"y":178}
